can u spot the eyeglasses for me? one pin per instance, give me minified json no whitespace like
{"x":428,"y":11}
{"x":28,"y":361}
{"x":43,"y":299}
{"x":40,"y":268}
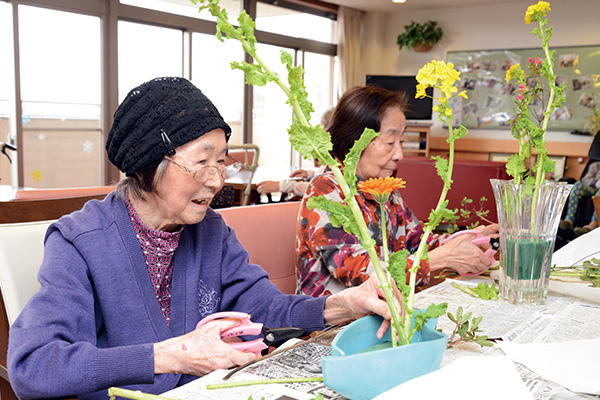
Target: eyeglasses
{"x":206,"y":173}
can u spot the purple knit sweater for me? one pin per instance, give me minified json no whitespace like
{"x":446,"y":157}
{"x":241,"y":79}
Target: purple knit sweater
{"x":93,"y":323}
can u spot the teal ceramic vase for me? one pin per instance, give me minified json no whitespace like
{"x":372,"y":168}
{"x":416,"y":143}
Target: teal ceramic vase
{"x":359,"y":375}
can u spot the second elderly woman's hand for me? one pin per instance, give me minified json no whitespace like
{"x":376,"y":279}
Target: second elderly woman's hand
{"x":356,"y":302}
{"x":461,"y":255}
{"x":199,"y":352}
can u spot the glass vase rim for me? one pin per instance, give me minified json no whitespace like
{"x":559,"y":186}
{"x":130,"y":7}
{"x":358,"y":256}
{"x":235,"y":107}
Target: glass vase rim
{"x":511,"y":182}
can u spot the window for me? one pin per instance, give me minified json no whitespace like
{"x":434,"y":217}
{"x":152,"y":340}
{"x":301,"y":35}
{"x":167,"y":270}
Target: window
{"x":7,"y":105}
{"x":271,"y":116}
{"x":187,"y":8}
{"x":61,"y":98}
{"x":213,"y":75}
{"x":319,"y":78}
{"x":147,"y":52}
{"x":293,"y":23}
{"x":68,"y":90}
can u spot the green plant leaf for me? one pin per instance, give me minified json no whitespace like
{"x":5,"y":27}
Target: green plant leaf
{"x":339,"y":214}
{"x":353,"y":156}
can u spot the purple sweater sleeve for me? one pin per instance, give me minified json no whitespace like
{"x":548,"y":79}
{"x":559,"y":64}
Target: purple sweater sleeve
{"x":54,"y":350}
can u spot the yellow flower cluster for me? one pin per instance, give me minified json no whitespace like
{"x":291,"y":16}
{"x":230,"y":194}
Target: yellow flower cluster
{"x":542,"y":8}
{"x":514,"y":71}
{"x":440,"y":74}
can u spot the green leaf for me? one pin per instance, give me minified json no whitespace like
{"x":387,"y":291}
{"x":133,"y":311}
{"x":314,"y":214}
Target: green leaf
{"x":311,"y":142}
{"x":483,"y":342}
{"x":515,"y":166}
{"x":397,"y":268}
{"x":353,"y":156}
{"x":255,"y":75}
{"x":339,"y":214}
{"x":433,"y":311}
{"x":441,"y":165}
{"x":297,"y":89}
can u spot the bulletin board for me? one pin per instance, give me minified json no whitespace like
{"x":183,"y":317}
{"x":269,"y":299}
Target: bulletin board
{"x":491,"y":98}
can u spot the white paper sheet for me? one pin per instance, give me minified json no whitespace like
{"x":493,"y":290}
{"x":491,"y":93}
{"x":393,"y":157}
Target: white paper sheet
{"x":572,"y":364}
{"x":487,"y":378}
{"x":583,"y":248}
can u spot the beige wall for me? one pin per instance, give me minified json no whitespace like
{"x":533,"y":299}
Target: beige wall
{"x":576,"y":23}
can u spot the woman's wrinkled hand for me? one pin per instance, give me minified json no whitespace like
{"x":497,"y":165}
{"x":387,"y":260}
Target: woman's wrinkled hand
{"x":356,"y":302}
{"x":200,"y":351}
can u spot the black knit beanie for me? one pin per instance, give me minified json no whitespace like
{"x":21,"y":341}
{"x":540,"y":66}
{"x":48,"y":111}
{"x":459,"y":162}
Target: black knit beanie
{"x":171,"y":104}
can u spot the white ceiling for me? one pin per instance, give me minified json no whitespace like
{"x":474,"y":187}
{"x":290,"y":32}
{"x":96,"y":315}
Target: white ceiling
{"x":389,"y":6}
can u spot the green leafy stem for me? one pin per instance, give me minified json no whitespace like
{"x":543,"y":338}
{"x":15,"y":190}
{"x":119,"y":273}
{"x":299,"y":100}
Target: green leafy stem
{"x":313,"y":142}
{"x":309,"y":141}
{"x":466,"y":331}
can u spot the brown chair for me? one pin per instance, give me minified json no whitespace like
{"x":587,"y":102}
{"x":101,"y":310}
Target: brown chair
{"x":268,"y":233}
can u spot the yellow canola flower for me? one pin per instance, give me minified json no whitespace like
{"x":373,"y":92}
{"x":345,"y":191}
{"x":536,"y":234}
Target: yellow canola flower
{"x":440,"y":74}
{"x":514,"y":72}
{"x":463,"y":94}
{"x":542,"y":8}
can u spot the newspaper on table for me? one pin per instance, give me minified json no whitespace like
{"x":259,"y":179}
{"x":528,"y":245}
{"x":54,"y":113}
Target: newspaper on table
{"x":302,"y":361}
{"x":562,"y":318}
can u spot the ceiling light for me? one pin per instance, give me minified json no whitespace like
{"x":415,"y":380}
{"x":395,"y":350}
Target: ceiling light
{"x":398,"y":1}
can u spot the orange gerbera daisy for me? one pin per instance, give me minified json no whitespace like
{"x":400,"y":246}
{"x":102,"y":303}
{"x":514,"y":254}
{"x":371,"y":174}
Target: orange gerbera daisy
{"x":381,"y":188}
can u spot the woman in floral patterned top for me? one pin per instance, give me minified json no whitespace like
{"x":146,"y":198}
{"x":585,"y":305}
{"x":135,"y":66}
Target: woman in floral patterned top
{"x":330,"y":259}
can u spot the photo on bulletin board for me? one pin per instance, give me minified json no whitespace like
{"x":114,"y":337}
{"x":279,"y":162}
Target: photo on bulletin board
{"x":491,"y":98}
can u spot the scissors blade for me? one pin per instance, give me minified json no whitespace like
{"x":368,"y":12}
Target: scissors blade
{"x":281,"y":334}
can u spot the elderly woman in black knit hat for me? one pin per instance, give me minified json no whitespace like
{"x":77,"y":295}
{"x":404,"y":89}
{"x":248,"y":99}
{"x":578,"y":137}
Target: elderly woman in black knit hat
{"x":125,"y":281}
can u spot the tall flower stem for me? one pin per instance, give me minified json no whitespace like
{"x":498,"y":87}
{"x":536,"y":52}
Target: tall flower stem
{"x":423,"y":245}
{"x":369,"y":246}
{"x":386,"y":259}
{"x":540,"y":175}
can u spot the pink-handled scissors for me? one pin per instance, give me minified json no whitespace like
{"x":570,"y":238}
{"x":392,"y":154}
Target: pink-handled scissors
{"x":248,"y":327}
{"x":480,"y":238}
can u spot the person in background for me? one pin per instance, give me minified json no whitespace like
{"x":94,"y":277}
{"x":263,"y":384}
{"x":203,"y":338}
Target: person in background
{"x":328,"y":259}
{"x":589,"y":185}
{"x":126,"y":280}
{"x":296,"y":187}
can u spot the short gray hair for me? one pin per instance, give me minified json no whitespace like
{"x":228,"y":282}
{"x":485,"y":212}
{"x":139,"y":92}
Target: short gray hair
{"x":143,"y":182}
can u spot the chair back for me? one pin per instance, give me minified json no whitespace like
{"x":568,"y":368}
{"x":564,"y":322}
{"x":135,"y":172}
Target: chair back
{"x":268,"y":233}
{"x":248,"y":154}
{"x":21,"y":254}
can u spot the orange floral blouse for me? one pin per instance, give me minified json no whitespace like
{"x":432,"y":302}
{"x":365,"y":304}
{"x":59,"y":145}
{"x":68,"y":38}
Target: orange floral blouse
{"x":328,"y":259}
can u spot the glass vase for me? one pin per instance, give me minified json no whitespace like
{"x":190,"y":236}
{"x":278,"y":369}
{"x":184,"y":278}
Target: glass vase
{"x":528,"y":218}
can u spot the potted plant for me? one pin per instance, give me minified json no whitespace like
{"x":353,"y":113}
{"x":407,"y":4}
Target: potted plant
{"x":529,"y":207}
{"x":420,"y":37}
